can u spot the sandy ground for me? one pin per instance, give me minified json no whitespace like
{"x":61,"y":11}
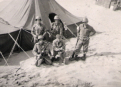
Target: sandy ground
{"x":101,"y":69}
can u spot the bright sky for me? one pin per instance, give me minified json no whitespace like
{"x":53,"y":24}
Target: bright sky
{"x":1,"y":0}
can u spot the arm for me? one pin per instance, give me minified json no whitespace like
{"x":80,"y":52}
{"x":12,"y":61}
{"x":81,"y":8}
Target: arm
{"x":78,"y":31}
{"x":32,"y":31}
{"x":63,"y":47}
{"x":52,"y":26}
{"x":34,"y":51}
{"x":61,"y":29}
{"x":92,"y":31}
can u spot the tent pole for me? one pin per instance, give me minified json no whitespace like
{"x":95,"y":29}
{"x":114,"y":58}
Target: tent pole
{"x":14,"y":46}
{"x":69,"y":29}
{"x":19,"y":45}
{"x":27,"y":31}
{"x":59,"y":14}
{"x":65,"y":24}
{"x":4,"y":58}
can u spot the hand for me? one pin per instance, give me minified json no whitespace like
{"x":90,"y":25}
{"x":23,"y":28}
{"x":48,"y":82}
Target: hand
{"x":35,"y":36}
{"x":38,"y":55}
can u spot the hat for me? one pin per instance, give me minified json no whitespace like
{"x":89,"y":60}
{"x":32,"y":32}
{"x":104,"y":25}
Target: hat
{"x":40,"y":37}
{"x":85,"y":19}
{"x":56,"y":18}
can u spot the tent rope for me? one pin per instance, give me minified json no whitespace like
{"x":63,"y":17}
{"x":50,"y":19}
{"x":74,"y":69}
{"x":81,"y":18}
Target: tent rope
{"x":4,"y":58}
{"x":14,"y":45}
{"x":18,"y":45}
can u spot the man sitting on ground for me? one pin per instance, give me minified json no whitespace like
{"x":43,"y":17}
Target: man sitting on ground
{"x":58,"y":49}
{"x":42,"y":52}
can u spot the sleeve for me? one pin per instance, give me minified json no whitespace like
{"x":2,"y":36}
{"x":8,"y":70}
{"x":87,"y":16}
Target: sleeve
{"x":61,"y":29}
{"x":63,"y":45}
{"x":34,"y":51}
{"x":44,"y":29}
{"x":54,"y":45}
{"x":52,"y":26}
{"x":78,"y":31}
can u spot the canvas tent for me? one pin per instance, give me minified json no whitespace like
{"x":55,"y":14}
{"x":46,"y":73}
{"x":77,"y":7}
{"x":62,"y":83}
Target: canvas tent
{"x":17,"y":18}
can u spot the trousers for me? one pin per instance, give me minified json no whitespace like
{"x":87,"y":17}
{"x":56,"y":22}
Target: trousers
{"x":80,"y":44}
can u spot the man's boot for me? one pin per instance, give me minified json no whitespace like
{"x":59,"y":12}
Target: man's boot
{"x":84,"y":57}
{"x":73,"y":56}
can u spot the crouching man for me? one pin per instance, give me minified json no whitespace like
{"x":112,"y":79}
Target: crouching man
{"x":42,"y":52}
{"x":58,"y":49}
{"x":84,"y":31}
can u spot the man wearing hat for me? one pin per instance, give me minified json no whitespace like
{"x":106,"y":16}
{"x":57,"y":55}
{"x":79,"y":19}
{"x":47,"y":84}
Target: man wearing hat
{"x":38,"y":29}
{"x":58,"y":49}
{"x":57,"y":27}
{"x":84,"y":31}
{"x":42,"y":52}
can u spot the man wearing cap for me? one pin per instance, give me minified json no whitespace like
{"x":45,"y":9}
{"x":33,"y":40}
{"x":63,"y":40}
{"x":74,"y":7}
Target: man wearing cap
{"x":84,"y":31}
{"x":38,"y":29}
{"x":58,"y":49}
{"x":57,"y":27}
{"x":42,"y":52}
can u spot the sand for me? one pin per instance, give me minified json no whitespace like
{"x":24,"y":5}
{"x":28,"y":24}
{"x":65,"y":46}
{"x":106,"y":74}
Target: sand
{"x":101,"y":68}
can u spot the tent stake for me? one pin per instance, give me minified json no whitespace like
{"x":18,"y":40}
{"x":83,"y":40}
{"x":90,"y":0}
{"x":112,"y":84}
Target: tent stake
{"x":4,"y":58}
{"x":13,"y":46}
{"x":19,"y":45}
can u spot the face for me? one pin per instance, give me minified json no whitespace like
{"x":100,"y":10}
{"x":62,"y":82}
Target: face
{"x":38,"y":21}
{"x":56,"y":21}
{"x":58,"y":37}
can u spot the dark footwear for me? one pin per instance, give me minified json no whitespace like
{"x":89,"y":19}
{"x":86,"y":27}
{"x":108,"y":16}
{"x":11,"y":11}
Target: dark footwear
{"x":84,"y":57}
{"x":74,"y":57}
{"x":77,"y":58}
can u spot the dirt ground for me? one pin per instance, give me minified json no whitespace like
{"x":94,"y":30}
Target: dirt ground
{"x":101,"y":68}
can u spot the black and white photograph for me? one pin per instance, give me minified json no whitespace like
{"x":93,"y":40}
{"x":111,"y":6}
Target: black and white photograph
{"x":60,"y":43}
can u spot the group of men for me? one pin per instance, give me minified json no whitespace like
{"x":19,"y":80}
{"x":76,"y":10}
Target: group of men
{"x":46,"y":52}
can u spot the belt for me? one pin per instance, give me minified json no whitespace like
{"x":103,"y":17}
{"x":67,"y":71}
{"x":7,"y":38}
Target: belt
{"x":84,"y":38}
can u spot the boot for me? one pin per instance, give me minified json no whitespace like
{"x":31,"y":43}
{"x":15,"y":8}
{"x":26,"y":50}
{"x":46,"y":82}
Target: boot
{"x":73,"y":56}
{"x":84,"y":57}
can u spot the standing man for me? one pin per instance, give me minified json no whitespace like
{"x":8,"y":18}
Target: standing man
{"x":59,"y":49}
{"x":57,"y":27}
{"x":42,"y":52}
{"x":84,"y":31}
{"x":38,"y":29}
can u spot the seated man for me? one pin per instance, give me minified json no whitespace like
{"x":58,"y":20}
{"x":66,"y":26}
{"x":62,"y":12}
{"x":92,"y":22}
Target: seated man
{"x":58,"y":49}
{"x":42,"y":52}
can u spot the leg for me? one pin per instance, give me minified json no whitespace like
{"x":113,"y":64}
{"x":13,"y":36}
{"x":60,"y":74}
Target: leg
{"x":77,"y":50}
{"x":61,"y":58}
{"x":47,"y":60}
{"x":78,"y":47}
{"x":54,"y":54}
{"x":85,"y":49}
{"x":39,"y":62}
